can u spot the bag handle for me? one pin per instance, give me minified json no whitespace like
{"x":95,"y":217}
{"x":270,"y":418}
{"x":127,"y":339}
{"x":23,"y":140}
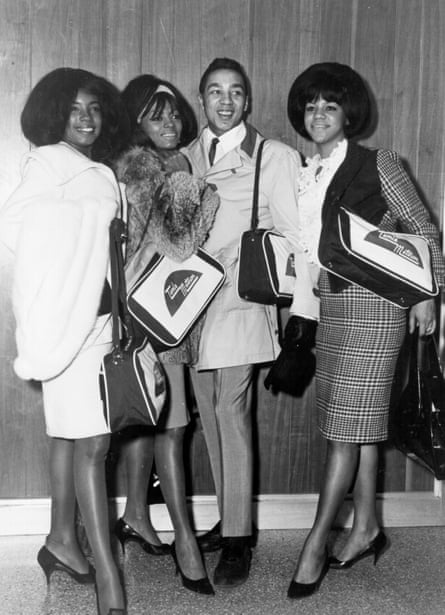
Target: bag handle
{"x":256,"y":184}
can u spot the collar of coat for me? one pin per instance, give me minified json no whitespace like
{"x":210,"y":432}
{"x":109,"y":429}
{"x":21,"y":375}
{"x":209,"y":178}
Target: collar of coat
{"x":197,"y":154}
{"x":250,"y":140}
{"x":64,"y":162}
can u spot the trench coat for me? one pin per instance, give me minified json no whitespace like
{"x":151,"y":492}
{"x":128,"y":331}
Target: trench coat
{"x":238,"y":332}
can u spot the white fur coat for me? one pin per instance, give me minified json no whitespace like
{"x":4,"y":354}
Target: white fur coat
{"x":57,"y":224}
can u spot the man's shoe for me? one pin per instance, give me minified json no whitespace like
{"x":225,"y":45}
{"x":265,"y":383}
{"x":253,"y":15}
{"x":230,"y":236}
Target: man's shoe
{"x":234,"y":562}
{"x":212,"y":540}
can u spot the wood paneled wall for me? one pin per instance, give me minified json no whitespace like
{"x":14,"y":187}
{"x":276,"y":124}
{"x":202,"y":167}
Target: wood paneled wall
{"x":397,"y":45}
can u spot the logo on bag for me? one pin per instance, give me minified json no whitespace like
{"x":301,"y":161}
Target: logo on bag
{"x":178,"y":286}
{"x":397,"y":245}
{"x":290,"y":266}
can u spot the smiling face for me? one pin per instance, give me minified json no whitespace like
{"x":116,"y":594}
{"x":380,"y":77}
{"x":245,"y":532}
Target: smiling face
{"x":224,"y":100}
{"x":84,"y":122}
{"x":163,"y":129}
{"x":324,"y":122}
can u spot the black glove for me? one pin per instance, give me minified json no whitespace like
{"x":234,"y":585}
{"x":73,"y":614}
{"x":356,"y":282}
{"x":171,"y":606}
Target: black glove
{"x":294,"y":367}
{"x":299,"y":333}
{"x":291,"y":372}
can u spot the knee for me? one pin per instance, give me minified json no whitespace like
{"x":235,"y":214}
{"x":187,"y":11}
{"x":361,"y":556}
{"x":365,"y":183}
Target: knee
{"x":174,"y":436}
{"x":343,"y":449}
{"x":94,"y":449}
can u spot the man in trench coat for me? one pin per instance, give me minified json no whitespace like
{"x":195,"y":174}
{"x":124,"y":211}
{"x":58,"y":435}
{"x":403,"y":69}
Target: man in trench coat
{"x":238,"y":334}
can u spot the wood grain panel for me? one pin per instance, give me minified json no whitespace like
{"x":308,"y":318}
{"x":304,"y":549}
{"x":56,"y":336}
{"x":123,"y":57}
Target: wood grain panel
{"x":374,"y":50}
{"x":275,"y":61}
{"x":431,"y":87}
{"x":23,"y":444}
{"x":88,"y":26}
{"x":309,"y":37}
{"x":122,"y":39}
{"x":406,"y":108}
{"x":54,"y":36}
{"x":172,"y":50}
{"x":337,"y":31}
{"x":406,"y":100}
{"x":15,"y":82}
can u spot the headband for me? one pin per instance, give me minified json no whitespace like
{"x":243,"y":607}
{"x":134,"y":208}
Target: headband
{"x":148,"y":101}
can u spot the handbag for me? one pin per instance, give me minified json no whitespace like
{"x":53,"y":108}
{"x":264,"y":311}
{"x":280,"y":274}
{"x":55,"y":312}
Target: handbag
{"x":395,"y":266}
{"x":169,"y":297}
{"x":417,"y":420}
{"x":131,"y":380}
{"x":266,"y":266}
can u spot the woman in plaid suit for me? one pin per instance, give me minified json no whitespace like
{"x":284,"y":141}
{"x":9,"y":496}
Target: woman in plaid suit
{"x":359,"y":334}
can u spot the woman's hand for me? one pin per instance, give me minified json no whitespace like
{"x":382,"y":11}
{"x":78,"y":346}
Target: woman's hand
{"x":423,"y":315}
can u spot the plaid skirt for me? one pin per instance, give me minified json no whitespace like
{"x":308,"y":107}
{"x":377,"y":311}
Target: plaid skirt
{"x":358,"y":343}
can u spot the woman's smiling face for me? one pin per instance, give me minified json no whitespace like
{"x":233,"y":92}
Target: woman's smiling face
{"x":324,"y":122}
{"x":164,"y":129}
{"x":84,"y":123}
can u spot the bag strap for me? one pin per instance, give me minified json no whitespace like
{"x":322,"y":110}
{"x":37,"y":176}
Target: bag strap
{"x":118,"y":286}
{"x":256,"y":184}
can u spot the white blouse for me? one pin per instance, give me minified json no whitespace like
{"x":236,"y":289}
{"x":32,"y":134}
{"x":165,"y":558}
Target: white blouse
{"x":314,"y":180}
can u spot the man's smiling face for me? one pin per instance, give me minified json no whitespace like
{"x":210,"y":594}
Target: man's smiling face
{"x":224,"y":100}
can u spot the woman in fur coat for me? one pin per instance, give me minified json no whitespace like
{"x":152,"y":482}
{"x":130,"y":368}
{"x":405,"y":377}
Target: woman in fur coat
{"x":169,"y":212}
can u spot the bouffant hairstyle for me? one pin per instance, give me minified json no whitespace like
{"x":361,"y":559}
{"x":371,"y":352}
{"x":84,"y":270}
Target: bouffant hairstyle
{"x":140,"y":97}
{"x":224,"y":64}
{"x":48,"y":107}
{"x":334,"y":82}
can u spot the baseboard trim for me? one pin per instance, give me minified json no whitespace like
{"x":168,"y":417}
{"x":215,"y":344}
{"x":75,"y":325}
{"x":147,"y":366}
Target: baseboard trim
{"x":31,"y":516}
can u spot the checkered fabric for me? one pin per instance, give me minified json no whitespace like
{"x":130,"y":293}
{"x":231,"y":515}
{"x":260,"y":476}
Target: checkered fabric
{"x":358,"y":343}
{"x":405,"y":209}
{"x":360,"y":335}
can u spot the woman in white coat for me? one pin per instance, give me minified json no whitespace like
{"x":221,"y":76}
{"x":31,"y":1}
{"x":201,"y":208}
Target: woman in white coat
{"x":57,"y":224}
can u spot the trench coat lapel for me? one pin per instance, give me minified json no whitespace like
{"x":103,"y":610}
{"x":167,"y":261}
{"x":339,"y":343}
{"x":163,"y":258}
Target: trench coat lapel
{"x":231,"y":161}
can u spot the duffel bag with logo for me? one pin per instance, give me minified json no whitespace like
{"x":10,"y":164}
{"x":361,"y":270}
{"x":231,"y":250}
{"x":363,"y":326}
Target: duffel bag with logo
{"x":169,"y":297}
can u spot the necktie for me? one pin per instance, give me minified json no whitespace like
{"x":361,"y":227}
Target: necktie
{"x":212,"y":150}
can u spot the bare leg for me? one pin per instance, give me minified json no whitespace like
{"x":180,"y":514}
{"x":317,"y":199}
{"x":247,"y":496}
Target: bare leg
{"x":365,"y":526}
{"x":139,"y":452}
{"x":89,"y":479}
{"x":62,"y":539}
{"x":170,"y":465}
{"x":341,"y":463}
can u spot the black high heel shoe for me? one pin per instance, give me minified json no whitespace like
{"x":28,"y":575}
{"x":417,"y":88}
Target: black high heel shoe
{"x":125,"y":533}
{"x":49,"y":562}
{"x":376,"y":547}
{"x":200,"y":586}
{"x":303,"y":590}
